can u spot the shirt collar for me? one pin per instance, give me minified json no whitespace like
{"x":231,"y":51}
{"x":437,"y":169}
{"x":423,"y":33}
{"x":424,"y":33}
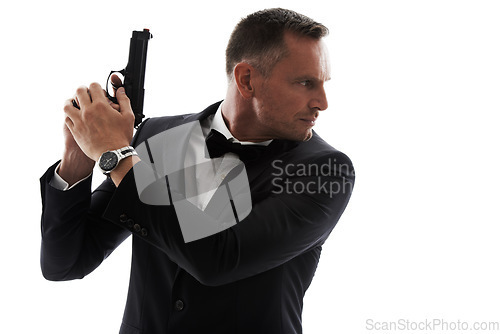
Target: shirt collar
{"x":218,"y":124}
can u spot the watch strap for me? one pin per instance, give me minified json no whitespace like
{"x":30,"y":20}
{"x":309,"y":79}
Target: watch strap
{"x":124,"y":152}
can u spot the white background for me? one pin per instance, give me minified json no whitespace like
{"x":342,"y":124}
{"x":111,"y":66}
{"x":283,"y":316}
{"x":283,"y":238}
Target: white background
{"x":413,"y":100}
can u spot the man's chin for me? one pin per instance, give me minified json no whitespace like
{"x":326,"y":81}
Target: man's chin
{"x":308,"y":135}
{"x":294,"y":136}
{"x":303,"y":137}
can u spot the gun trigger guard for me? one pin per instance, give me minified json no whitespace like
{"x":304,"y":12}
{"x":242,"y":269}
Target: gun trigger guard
{"x":112,"y":98}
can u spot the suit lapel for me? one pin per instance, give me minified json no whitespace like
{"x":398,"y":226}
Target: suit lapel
{"x":202,"y":115}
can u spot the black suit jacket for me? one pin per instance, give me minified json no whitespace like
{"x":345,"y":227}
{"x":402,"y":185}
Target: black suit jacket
{"x":250,"y":278}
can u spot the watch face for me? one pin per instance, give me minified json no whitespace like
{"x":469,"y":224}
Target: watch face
{"x":108,"y":161}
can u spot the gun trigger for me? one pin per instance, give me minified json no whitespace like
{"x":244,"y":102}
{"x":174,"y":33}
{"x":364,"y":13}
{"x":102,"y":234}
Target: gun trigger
{"x":112,"y":98}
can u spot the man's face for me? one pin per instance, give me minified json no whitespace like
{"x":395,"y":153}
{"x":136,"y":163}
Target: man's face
{"x":288,"y":101}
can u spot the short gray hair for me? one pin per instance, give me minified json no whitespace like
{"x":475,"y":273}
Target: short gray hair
{"x":259,"y":38}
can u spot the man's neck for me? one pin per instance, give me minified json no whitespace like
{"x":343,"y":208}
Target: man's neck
{"x":240,"y":120}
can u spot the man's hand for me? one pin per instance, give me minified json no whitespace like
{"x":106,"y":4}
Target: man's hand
{"x":98,"y":126}
{"x":75,"y":165}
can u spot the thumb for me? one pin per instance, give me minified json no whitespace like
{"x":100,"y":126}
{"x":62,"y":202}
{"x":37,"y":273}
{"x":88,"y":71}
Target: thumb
{"x":123,"y":101}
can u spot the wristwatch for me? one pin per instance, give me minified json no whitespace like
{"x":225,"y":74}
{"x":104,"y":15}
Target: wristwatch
{"x":110,"y":159}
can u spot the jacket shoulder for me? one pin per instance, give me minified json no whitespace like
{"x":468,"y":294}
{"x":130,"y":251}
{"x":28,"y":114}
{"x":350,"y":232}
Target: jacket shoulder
{"x":156,"y":125}
{"x":317,"y":149}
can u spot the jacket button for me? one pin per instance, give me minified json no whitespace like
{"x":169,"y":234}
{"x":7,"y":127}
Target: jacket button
{"x":179,"y":305}
{"x":123,"y":218}
{"x":144,"y":232}
{"x":137,"y":227}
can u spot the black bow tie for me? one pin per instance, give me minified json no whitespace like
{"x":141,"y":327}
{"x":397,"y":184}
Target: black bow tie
{"x":218,"y":145}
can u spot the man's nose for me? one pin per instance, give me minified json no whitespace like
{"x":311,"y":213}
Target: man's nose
{"x":320,"y":100}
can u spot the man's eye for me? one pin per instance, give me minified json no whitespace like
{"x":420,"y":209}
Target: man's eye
{"x":305,"y":83}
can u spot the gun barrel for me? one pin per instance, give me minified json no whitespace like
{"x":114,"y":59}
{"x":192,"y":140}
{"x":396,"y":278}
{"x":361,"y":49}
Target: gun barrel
{"x":135,"y":72}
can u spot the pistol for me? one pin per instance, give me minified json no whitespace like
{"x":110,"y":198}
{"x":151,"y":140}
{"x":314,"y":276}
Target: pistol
{"x":134,"y":73}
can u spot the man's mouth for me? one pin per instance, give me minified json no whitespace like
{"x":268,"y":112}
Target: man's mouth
{"x":309,"y":120}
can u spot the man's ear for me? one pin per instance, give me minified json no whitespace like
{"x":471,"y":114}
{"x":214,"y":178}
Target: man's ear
{"x":244,"y":77}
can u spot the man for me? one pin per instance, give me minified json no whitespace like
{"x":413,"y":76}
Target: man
{"x":251,"y":277}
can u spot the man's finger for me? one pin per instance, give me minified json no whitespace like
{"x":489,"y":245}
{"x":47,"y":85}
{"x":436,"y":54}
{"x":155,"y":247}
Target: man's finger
{"x":71,"y":112}
{"x":82,"y":94}
{"x":115,"y":106}
{"x":116,"y":81}
{"x":68,"y":123}
{"x":124,"y":102}
{"x":96,"y":92}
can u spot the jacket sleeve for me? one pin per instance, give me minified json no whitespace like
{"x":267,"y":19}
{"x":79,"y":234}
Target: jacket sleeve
{"x":75,"y":236}
{"x":283,"y":225}
{"x":75,"y":239}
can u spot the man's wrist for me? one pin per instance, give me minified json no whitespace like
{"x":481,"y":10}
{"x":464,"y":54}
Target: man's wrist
{"x":59,"y":183}
{"x":74,"y":168}
{"x":123,"y":168}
